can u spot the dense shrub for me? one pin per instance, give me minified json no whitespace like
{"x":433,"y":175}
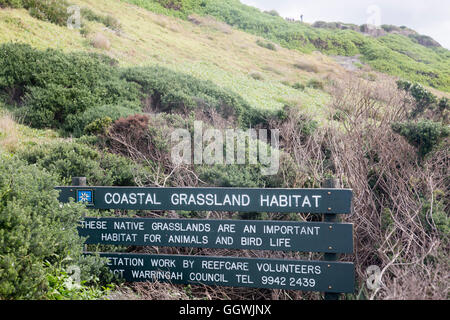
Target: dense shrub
{"x":36,"y":232}
{"x":98,"y":126}
{"x":425,"y":135}
{"x":171,"y":91}
{"x":262,"y":117}
{"x":107,"y":20}
{"x":77,"y":124}
{"x":54,"y":11}
{"x":439,"y":217}
{"x":238,"y":175}
{"x":67,"y":160}
{"x":61,"y":286}
{"x":307,"y":127}
{"x":422,"y":96}
{"x":171,"y":4}
{"x":11,"y":4}
{"x":48,"y":86}
{"x":49,"y":107}
{"x":232,"y":176}
{"x":426,"y":104}
{"x":181,"y":5}
{"x":444,"y":104}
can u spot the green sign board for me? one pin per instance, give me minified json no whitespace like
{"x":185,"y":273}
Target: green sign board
{"x":325,"y":201}
{"x":235,"y":272}
{"x":329,"y":237}
{"x":226,"y":234}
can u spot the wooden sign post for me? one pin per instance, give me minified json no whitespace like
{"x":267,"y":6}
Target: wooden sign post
{"x":329,"y":237}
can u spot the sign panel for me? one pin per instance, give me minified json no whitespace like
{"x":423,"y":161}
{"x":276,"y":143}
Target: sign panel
{"x":336,"y":277}
{"x":227,"y":234}
{"x":331,"y":201}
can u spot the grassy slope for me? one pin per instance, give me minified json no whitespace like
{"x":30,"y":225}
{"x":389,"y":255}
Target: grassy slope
{"x":394,"y":54}
{"x":211,"y":51}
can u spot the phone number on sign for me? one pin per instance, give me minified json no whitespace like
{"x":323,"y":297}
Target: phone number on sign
{"x":293,"y":282}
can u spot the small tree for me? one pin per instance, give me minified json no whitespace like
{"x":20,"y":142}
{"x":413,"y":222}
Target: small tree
{"x":423,"y":98}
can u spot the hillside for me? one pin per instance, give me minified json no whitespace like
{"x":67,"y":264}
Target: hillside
{"x":193,"y":48}
{"x":103,"y":101}
{"x":393,"y":53}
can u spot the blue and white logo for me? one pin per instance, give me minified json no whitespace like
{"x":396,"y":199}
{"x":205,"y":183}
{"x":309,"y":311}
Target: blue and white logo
{"x":85,"y":196}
